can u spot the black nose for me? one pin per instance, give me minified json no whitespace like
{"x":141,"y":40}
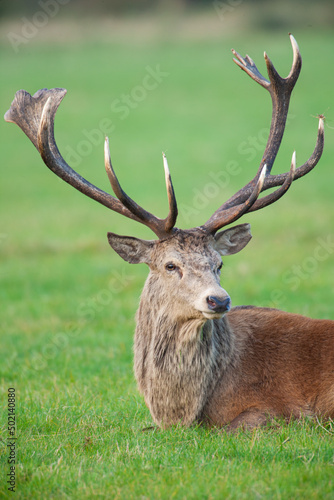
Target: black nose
{"x":219,"y":305}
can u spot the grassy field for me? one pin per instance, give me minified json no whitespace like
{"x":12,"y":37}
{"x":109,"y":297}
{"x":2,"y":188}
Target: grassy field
{"x":68,"y":303}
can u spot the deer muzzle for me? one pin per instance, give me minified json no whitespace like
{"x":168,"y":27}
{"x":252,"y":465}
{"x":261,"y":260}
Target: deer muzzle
{"x":219,"y":304}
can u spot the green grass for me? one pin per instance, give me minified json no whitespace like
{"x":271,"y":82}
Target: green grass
{"x":68,"y":303}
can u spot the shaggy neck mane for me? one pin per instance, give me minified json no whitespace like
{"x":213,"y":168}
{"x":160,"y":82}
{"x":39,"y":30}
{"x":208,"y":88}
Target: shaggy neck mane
{"x":176,"y":361}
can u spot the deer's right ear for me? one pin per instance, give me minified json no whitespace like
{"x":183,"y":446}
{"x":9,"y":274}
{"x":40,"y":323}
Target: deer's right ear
{"x":131,"y":249}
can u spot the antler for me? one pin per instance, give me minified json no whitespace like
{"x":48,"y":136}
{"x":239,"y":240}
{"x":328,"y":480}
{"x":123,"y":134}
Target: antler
{"x":35,"y":116}
{"x":245,"y":200}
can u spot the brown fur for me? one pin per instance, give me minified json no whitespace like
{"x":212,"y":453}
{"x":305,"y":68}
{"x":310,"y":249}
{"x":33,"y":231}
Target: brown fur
{"x":235,"y":370}
{"x":283,"y":365}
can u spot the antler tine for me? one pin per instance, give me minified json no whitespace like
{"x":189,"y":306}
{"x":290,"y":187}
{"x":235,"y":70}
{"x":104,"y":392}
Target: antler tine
{"x":158,"y":226}
{"x":170,"y":220}
{"x":276,"y":195}
{"x":272,"y":181}
{"x":280,"y":90}
{"x":220,"y":219}
{"x":277,"y":180}
{"x":247,"y":64}
{"x":131,"y":205}
{"x":26,"y":110}
{"x":296,"y":62}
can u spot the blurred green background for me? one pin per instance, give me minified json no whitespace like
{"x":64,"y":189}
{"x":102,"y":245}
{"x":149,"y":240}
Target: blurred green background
{"x":155,"y":76}
{"x":158,"y":76}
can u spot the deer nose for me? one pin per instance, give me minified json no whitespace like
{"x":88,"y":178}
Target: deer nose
{"x":219,"y":304}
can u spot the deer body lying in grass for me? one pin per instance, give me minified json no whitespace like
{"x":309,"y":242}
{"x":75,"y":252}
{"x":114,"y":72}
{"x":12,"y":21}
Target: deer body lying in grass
{"x":196,"y":359}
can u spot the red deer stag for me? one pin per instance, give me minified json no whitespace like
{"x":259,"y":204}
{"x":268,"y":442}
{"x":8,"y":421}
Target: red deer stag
{"x":196,"y":359}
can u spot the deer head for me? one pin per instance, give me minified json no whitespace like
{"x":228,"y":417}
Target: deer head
{"x":181,"y":260}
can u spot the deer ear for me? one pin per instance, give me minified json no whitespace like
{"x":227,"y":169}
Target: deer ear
{"x":132,"y":250}
{"x":232,"y":240}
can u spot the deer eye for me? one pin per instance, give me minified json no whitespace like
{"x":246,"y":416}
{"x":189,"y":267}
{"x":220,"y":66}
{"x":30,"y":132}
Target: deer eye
{"x":220,"y":266}
{"x":170,"y":266}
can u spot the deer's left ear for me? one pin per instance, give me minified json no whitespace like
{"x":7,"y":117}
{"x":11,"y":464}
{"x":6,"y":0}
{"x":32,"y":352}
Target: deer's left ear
{"x":132,"y":250}
{"x":232,"y":240}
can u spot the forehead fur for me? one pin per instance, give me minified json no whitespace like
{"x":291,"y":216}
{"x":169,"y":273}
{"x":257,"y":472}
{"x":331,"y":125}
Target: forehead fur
{"x":186,"y":242}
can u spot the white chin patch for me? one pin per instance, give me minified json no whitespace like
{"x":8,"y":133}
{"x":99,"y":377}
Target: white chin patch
{"x":212,"y":315}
